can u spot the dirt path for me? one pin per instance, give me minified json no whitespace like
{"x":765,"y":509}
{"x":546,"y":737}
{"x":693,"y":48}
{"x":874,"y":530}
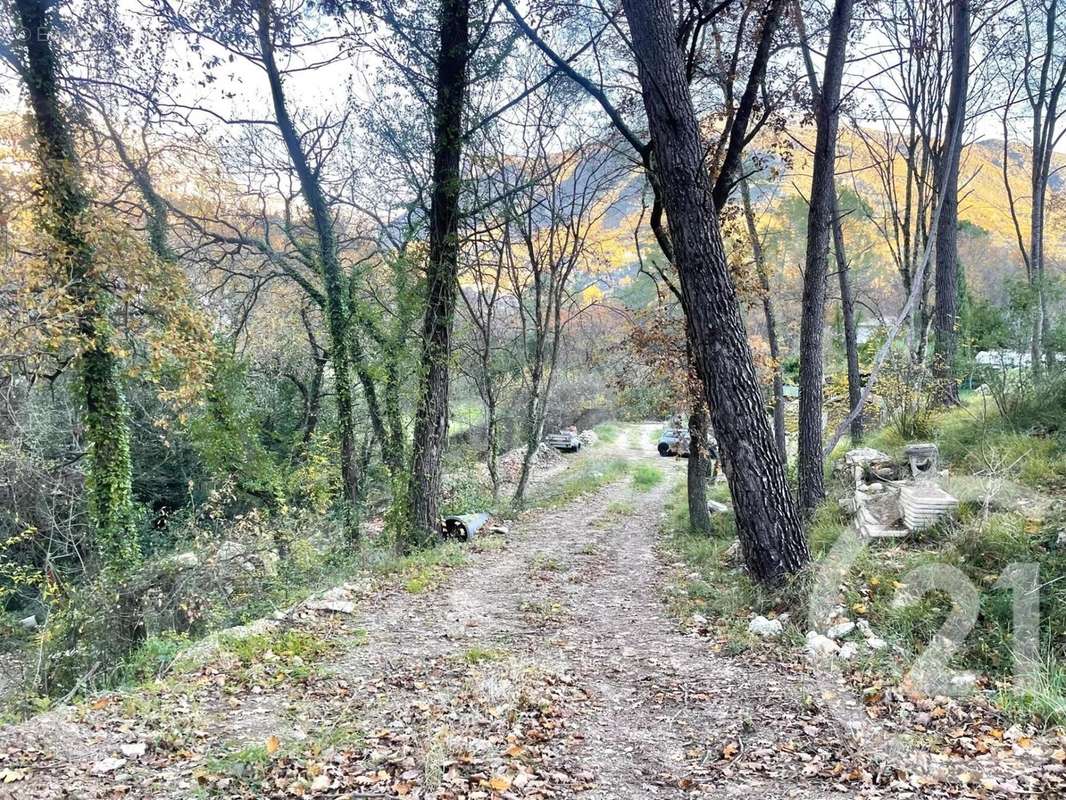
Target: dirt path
{"x":547,"y":668}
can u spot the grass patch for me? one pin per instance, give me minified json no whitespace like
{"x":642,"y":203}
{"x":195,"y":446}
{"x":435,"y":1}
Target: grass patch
{"x":587,"y":475}
{"x":710,"y":585}
{"x":621,"y":508}
{"x":153,"y":659}
{"x":249,"y":764}
{"x":646,"y":476}
{"x":607,"y":432}
{"x":490,"y":544}
{"x":544,"y":611}
{"x":480,"y":655}
{"x":422,"y":570}
{"x":292,"y":647}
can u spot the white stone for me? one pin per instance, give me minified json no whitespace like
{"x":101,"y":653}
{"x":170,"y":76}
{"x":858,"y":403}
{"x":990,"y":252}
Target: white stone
{"x":876,"y":644}
{"x":761,"y":626}
{"x":133,"y":749}
{"x":848,"y":651}
{"x":106,"y":765}
{"x":840,"y":630}
{"x":336,"y":606}
{"x":821,"y":646}
{"x":699,"y":619}
{"x":29,"y":623}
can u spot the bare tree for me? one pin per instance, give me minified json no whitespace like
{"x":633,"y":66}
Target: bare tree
{"x":1035,"y":83}
{"x":819,"y":223}
{"x":556,"y":196}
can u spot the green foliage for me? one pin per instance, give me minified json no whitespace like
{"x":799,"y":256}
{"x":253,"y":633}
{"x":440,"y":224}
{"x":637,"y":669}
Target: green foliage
{"x":290,"y":646}
{"x":646,"y":477}
{"x":226,"y":434}
{"x":108,"y":479}
{"x":154,"y":658}
{"x":465,"y":493}
{"x":910,"y":396}
{"x":480,"y":655}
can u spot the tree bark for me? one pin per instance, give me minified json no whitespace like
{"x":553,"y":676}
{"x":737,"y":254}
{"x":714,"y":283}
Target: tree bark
{"x":770,"y":316}
{"x":336,"y":305}
{"x":699,"y":517}
{"x":945,"y":312}
{"x":819,"y":223}
{"x":431,"y":417}
{"x":847,"y":300}
{"x":67,"y":208}
{"x":770,"y":533}
{"x":851,"y":336}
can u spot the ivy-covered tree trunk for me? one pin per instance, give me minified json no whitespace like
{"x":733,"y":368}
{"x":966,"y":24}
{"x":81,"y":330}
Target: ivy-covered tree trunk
{"x":431,"y":416}
{"x":770,"y":533}
{"x":811,"y":464}
{"x":65,"y":218}
{"x":335,"y":301}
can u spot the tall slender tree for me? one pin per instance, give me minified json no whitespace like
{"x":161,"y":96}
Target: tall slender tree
{"x":847,"y":295}
{"x":1037,"y":84}
{"x":819,"y":224}
{"x":945,"y":309}
{"x":770,"y":318}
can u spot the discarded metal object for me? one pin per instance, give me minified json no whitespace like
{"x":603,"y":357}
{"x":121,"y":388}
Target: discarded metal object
{"x":464,"y":527}
{"x":674,"y":442}
{"x":566,"y":440}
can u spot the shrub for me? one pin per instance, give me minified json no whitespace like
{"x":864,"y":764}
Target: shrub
{"x":910,"y":396}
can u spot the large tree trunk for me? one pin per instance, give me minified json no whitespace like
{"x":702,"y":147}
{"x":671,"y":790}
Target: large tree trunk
{"x":819,"y":223}
{"x":67,"y":206}
{"x":945,"y":312}
{"x":336,"y":305}
{"x":431,"y":416}
{"x":771,"y":322}
{"x":769,"y":530}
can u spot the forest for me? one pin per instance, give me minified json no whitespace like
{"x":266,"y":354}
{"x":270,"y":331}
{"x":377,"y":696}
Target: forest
{"x":531,"y":398}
